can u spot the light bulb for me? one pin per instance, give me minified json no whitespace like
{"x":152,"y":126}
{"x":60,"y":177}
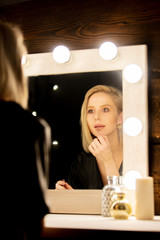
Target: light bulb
{"x":129,"y":179}
{"x":61,"y":54}
{"x":108,"y":51}
{"x":132,"y":126}
{"x":132,"y":73}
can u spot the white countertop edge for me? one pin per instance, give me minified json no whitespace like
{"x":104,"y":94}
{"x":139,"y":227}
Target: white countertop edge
{"x":97,"y":222}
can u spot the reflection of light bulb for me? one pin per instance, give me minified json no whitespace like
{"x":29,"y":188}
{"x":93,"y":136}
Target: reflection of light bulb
{"x":133,"y":73}
{"x":129,"y":179}
{"x":61,"y":54}
{"x":132,"y":126}
{"x":34,"y":113}
{"x":55,"y":142}
{"x":108,"y":51}
{"x":55,"y":87}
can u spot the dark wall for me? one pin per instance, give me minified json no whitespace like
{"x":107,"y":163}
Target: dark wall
{"x":86,"y":24}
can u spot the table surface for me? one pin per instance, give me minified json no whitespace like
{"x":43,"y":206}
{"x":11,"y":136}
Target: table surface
{"x":97,"y":222}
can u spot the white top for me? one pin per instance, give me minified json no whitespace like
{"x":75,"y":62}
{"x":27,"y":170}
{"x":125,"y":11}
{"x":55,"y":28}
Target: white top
{"x":97,"y":222}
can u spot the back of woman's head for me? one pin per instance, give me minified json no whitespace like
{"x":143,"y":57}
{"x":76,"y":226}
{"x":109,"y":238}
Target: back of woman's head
{"x":13,"y":85}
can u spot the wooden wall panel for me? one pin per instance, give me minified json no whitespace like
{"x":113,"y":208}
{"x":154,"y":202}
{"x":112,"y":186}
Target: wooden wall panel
{"x":154,"y":109}
{"x":85,"y":24}
{"x":82,"y":24}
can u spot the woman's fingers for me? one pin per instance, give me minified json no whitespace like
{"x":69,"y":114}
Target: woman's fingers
{"x":68,"y":186}
{"x":98,"y":144}
{"x":62,"y":185}
{"x":93,"y":148}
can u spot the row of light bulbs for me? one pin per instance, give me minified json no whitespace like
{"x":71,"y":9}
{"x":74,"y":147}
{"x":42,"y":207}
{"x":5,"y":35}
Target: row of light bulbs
{"x":107,"y":51}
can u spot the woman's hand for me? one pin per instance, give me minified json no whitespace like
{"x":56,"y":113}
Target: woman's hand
{"x":100,"y":148}
{"x":62,"y":185}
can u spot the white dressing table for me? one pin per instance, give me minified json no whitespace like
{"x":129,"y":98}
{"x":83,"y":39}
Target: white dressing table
{"x":97,"y":222}
{"x":69,"y":225}
{"x":78,"y":213}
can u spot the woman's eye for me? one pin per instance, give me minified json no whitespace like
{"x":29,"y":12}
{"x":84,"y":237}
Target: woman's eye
{"x":90,"y":111}
{"x":105,"y":109}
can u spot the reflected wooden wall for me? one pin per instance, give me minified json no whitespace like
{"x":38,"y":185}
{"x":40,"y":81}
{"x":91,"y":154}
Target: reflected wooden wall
{"x":82,"y":24}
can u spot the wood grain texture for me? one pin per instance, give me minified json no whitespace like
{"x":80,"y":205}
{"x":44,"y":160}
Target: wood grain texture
{"x":85,"y":24}
{"x":154,"y":109}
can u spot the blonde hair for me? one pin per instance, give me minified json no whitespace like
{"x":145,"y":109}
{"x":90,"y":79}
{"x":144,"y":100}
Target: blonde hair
{"x":13,"y":84}
{"x":116,"y":95}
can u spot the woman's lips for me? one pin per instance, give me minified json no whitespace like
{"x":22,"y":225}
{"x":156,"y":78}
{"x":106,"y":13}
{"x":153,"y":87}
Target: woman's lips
{"x":99,"y":127}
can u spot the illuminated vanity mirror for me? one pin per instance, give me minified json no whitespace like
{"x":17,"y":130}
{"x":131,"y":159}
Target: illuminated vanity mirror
{"x":85,"y":69}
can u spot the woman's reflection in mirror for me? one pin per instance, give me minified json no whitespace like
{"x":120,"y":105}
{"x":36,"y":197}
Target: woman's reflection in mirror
{"x":101,"y":131}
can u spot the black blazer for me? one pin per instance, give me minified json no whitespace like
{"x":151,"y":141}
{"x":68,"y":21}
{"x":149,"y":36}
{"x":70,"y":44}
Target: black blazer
{"x":24,"y":159}
{"x":84,"y":172}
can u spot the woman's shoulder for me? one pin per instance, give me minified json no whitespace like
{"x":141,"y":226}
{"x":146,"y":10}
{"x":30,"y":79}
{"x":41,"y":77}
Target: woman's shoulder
{"x":14,"y":111}
{"x":85,"y":158}
{"x":82,"y":171}
{"x":16,"y":117}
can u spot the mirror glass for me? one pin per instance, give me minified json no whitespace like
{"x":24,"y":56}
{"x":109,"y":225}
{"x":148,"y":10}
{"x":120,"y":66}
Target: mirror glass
{"x":58,"y":99}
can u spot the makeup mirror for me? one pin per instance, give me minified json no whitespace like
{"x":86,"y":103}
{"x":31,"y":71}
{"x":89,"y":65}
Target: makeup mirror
{"x":88,"y":65}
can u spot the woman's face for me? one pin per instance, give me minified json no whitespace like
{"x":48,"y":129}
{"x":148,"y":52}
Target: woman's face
{"x":102,"y":115}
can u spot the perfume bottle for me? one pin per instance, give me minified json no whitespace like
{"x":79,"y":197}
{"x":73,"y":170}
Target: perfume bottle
{"x":107,"y":194}
{"x":120,"y":209}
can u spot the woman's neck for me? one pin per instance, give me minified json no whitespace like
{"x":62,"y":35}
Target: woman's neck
{"x":117,"y":148}
{"x":115,"y":143}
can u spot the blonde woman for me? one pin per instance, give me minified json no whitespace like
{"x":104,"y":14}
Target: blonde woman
{"x":101,"y":126}
{"x":22,"y":138}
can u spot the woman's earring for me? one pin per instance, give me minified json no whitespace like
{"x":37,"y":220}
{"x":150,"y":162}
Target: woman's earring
{"x":119,"y":126}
